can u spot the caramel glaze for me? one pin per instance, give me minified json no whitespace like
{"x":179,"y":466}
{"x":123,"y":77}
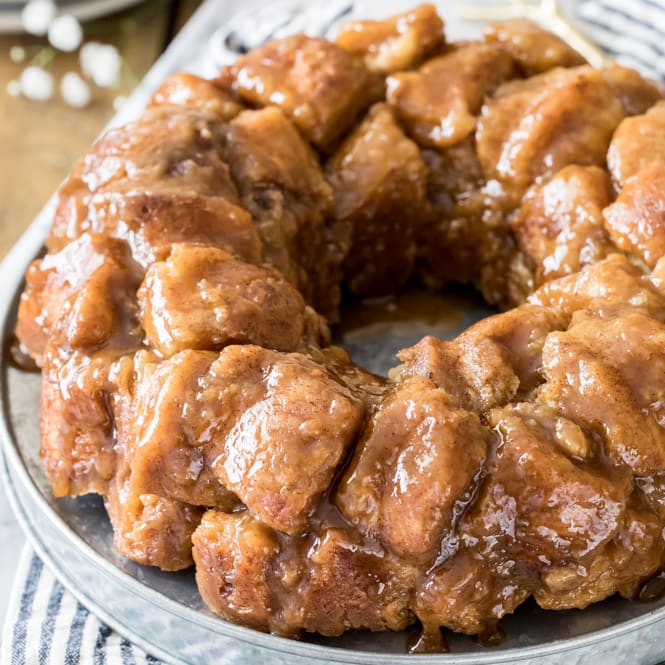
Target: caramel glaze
{"x":16,"y":355}
{"x":427,"y":640}
{"x":652,"y":590}
{"x":197,"y":255}
{"x":492,"y":637}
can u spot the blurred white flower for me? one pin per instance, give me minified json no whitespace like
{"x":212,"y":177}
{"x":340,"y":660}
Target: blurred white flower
{"x":13,"y":88}
{"x":74,"y":90}
{"x":65,"y":33}
{"x":36,"y":83}
{"x":119,"y":102}
{"x":101,"y":62}
{"x":87,"y":56}
{"x":17,"y":54}
{"x":37,"y":16}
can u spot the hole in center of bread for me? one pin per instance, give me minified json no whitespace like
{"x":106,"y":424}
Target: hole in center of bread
{"x":375,"y":329}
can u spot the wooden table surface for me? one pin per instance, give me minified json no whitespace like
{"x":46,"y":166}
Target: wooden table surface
{"x":39,"y":141}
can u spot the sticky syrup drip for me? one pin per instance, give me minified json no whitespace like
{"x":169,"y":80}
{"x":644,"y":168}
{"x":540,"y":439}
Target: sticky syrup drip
{"x":429,"y":639}
{"x":17,"y":357}
{"x":653,"y":589}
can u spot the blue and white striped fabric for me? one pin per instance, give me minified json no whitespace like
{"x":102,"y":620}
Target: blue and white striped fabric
{"x":633,"y":31}
{"x":46,"y":625}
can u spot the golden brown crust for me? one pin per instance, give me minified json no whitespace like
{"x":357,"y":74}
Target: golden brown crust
{"x":534,"y":49}
{"x":379,"y":182}
{"x":320,"y":86}
{"x":401,"y":42}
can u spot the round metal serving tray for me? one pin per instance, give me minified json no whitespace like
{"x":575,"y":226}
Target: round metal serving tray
{"x":163,"y":612}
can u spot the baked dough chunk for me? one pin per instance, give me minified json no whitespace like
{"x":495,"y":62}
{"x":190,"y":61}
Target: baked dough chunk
{"x":203,"y":298}
{"x":634,"y":554}
{"x":538,"y":509}
{"x":636,"y":143}
{"x":604,"y":288}
{"x":535,"y":507}
{"x":151,"y":221}
{"x":159,"y":180}
{"x":343,"y":564}
{"x":417,"y":459}
{"x":80,"y":297}
{"x":270,"y":427}
{"x":292,"y":426}
{"x":535,"y":50}
{"x":79,"y":394}
{"x":167,"y":145}
{"x":482,"y":594}
{"x":489,"y":364}
{"x":396,"y":43}
{"x":282,"y":185}
{"x":606,"y":374}
{"x":246,"y":573}
{"x":439,"y":102}
{"x":379,"y":181}
{"x":150,"y":529}
{"x":636,"y":220}
{"x":159,"y":454}
{"x":533,"y":128}
{"x":560,"y":224}
{"x":193,"y":92}
{"x":320,"y":86}
{"x":234,"y":556}
{"x":456,"y":228}
{"x":544,"y":498}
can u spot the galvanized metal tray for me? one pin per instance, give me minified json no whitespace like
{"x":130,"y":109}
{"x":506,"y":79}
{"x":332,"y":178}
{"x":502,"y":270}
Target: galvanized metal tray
{"x":163,"y":612}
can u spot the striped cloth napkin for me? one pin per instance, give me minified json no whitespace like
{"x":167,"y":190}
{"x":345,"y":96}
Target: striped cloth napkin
{"x":633,"y":31}
{"x":45,"y":625}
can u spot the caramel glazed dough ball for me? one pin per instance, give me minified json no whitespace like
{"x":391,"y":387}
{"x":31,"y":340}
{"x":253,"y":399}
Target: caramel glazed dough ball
{"x":180,"y":318}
